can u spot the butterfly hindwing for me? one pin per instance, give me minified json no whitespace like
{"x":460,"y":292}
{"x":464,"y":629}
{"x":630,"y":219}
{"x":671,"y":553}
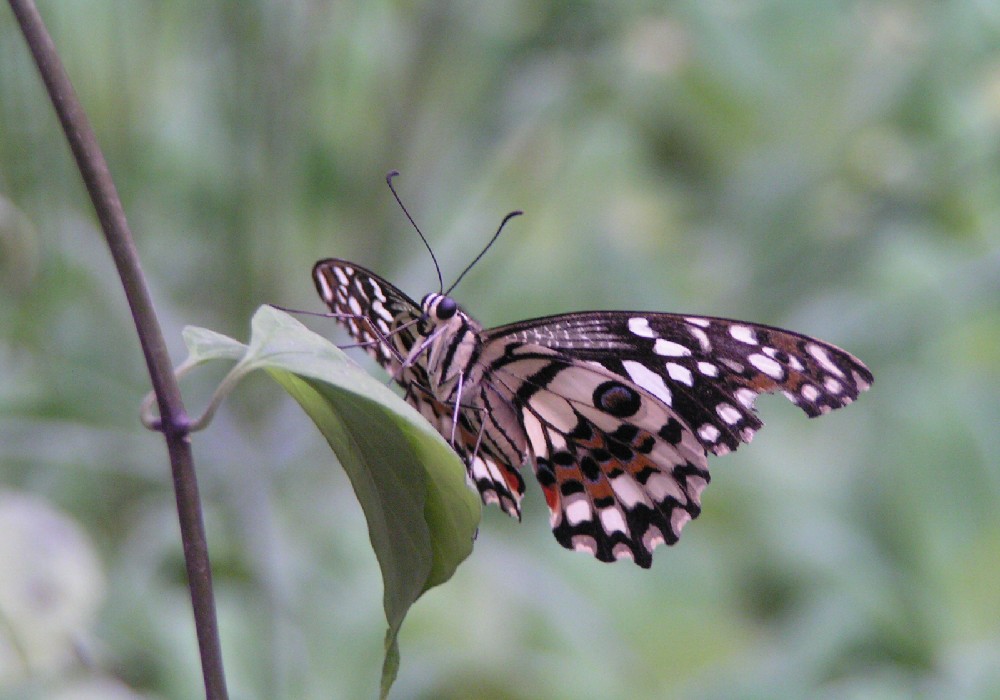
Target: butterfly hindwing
{"x":495,"y":474}
{"x":620,"y":471}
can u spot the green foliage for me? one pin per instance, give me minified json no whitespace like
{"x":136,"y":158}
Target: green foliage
{"x":829,"y":167}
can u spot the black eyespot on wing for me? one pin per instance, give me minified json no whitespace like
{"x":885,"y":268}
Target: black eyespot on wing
{"x":616,"y":399}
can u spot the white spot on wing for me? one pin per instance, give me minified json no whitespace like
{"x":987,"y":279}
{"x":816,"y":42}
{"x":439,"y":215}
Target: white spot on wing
{"x":584,"y":543}
{"x":558,"y":440}
{"x":652,"y":538}
{"x":702,"y":338}
{"x":708,"y":432}
{"x":697,"y":484}
{"x":708,"y":369}
{"x":678,"y":519}
{"x":809,"y":392}
{"x":477,"y":468}
{"x":577,"y":510}
{"x":536,"y":435}
{"x":680,"y":373}
{"x":480,"y":469}
{"x":700,"y":322}
{"x":648,"y":380}
{"x":380,"y":310}
{"x":732,"y":364}
{"x":627,"y":491}
{"x":327,"y":293}
{"x":823,"y":358}
{"x":766,"y":365}
{"x":640,"y":326}
{"x":612,"y":521}
{"x":743,"y":334}
{"x":746,"y":396}
{"x":729,"y":413}
{"x":669,"y":348}
{"x":660,"y":486}
{"x":354,"y":305}
{"x":622,"y":551}
{"x":379,"y":294}
{"x":341,"y":274}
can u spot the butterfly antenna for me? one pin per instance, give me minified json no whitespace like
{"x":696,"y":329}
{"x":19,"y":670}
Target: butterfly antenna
{"x":388,"y":181}
{"x":483,"y":252}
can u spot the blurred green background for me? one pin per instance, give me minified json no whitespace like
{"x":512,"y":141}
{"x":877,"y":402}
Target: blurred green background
{"x":829,"y":167}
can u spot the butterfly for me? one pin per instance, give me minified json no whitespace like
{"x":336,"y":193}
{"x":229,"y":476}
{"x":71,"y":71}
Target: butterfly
{"x":617,"y":411}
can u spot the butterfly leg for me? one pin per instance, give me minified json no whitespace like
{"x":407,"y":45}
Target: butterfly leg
{"x":382,"y":340}
{"x":458,"y":405}
{"x":479,"y":439}
{"x":414,"y":353}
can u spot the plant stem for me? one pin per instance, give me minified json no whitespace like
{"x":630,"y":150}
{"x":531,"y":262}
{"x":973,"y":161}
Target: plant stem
{"x":174,"y":423}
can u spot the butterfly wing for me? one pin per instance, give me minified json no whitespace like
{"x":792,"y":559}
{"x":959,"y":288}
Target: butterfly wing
{"x":620,"y":409}
{"x":371,"y":309}
{"x":709,"y":370}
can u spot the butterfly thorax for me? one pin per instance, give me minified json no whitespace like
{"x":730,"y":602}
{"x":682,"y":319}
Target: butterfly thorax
{"x":447,"y":345}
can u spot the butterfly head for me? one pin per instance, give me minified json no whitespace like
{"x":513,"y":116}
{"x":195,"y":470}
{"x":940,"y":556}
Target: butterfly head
{"x":438,"y":308}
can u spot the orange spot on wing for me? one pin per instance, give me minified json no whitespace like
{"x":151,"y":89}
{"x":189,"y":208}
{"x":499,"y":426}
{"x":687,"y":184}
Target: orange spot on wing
{"x":551,"y":497}
{"x":509,"y":476}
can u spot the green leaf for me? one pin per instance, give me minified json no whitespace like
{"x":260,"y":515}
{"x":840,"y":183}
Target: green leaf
{"x":422,"y":517}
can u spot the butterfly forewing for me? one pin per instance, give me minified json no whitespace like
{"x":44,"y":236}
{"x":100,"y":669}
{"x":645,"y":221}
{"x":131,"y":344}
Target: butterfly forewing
{"x":369,"y":307}
{"x":710,"y":370}
{"x":616,"y":411}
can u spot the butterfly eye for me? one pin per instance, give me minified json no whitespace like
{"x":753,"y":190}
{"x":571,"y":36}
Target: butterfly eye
{"x":446,"y":308}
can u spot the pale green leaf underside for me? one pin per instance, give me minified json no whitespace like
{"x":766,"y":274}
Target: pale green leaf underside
{"x":422,"y":517}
